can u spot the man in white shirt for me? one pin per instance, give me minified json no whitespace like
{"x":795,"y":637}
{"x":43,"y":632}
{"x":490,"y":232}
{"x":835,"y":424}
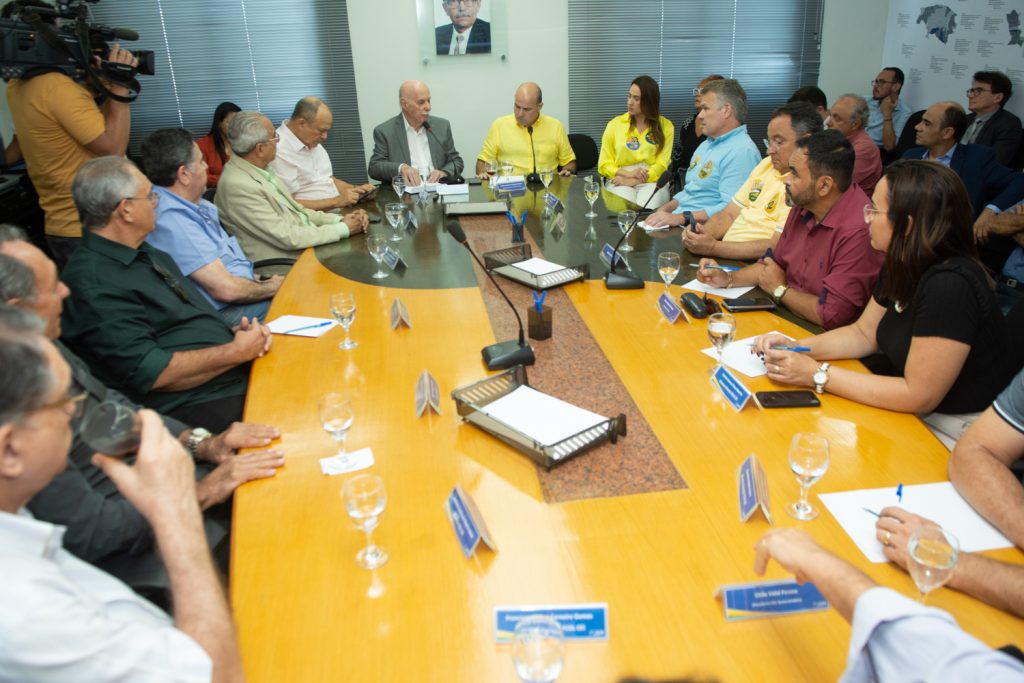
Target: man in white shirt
{"x":64,"y":619}
{"x":303,"y":164}
{"x":467,"y":33}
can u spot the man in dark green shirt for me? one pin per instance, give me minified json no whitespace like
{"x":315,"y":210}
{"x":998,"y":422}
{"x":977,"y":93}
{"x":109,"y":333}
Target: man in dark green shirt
{"x":138,"y":322}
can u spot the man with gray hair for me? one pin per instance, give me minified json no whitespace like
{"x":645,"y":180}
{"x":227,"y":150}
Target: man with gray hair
{"x":258,"y":209}
{"x":849,"y":115}
{"x":139,"y":323}
{"x":62,"y":618}
{"x":303,"y":165}
{"x":188,"y":229}
{"x":719,"y":165}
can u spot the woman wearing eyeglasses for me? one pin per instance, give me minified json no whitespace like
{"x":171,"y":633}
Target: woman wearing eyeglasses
{"x":636,"y":148}
{"x":933,"y":314}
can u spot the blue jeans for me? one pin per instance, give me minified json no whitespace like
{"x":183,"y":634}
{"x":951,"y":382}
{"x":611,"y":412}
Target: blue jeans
{"x":234,"y":314}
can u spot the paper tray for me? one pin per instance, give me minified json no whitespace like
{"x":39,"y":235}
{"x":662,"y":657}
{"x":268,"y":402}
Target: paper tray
{"x":502,"y":262}
{"x":470,"y":399}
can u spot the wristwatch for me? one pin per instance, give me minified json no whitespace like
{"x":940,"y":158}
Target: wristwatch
{"x":688,"y":218}
{"x":779,"y":292}
{"x":197,"y":436}
{"x":820,"y":378}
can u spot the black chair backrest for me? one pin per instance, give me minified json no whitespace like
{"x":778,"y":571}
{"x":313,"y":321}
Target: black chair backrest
{"x":1018,"y":162}
{"x":906,"y":139}
{"x":585,"y":149}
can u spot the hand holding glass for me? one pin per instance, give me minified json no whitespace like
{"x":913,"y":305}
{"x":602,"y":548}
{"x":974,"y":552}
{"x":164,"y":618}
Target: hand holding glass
{"x":365,"y":500}
{"x":668,"y":266}
{"x":112,"y":429}
{"x":343,"y":308}
{"x":808,"y":458}
{"x":538,"y":649}
{"x":933,"y":553}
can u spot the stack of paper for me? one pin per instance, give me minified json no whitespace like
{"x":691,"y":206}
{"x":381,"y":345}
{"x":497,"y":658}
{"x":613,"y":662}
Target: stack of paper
{"x":545,"y":419}
{"x":537,"y":266}
{"x":444,"y":190}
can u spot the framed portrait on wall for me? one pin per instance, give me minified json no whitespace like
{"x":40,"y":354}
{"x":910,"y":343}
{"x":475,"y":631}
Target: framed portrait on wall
{"x":455,"y":28}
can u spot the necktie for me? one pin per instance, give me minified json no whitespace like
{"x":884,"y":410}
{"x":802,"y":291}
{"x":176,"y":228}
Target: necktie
{"x":973,"y":132}
{"x":458,"y":44}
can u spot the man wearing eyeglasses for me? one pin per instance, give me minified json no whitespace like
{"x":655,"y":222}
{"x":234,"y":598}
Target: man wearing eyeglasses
{"x":887,"y":114}
{"x":140,"y":324}
{"x":989,"y":123}
{"x":467,"y":34}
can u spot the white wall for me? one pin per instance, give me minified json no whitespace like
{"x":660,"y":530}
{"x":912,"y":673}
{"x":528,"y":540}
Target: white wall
{"x":853,"y":37}
{"x":468,"y":91}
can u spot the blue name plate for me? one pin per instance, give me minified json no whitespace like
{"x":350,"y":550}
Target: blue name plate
{"x":668,"y":308}
{"x":552,"y":201}
{"x":393,"y":258}
{"x":578,"y":622}
{"x":734,"y":390}
{"x":748,"y":489}
{"x":413,"y":220}
{"x":608,"y":251}
{"x":465,"y":527}
{"x":770,"y":599}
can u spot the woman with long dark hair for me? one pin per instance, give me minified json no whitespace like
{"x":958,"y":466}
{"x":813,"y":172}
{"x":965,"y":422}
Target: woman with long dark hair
{"x":933,"y":314}
{"x":636,"y":148}
{"x":215,"y":146}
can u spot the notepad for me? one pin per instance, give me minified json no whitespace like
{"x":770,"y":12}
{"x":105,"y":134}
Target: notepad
{"x":737,"y":356}
{"x":545,"y":419}
{"x":301,"y":326}
{"x":537,"y":266}
{"x":726,"y":292}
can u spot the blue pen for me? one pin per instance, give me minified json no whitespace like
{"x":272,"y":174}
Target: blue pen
{"x":511,"y":218}
{"x":538,"y":300}
{"x":728,"y":269}
{"x":309,"y":327}
{"x":783,"y":347}
{"x":522,"y":219}
{"x":899,"y":493}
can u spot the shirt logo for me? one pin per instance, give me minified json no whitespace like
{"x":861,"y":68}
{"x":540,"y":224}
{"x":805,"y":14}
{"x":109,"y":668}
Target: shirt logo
{"x":693,"y":163}
{"x":632,"y":143}
{"x":755,"y":190}
{"x":772,"y":205}
{"x":706,"y":169}
{"x":649,"y":138}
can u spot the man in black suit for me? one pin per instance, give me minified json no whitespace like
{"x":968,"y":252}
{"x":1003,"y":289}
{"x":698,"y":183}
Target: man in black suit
{"x":989,"y":123}
{"x":992,"y":187}
{"x":413,"y":141}
{"x":466,"y":34}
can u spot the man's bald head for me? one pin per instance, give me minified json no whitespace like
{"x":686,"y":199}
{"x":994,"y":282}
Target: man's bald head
{"x":528,"y":103}
{"x":414,"y":98}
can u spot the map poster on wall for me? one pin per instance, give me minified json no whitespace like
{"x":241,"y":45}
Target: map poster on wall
{"x":939,"y":47}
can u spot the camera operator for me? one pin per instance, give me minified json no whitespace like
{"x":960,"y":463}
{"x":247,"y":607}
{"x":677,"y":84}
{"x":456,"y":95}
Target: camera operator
{"x":60,"y":126}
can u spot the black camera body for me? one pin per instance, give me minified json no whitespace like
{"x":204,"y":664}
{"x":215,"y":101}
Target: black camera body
{"x":31,"y":43}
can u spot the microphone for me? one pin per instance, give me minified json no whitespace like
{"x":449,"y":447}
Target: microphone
{"x":446,"y":179}
{"x":503,"y":354}
{"x":534,"y":177}
{"x":629,"y":280}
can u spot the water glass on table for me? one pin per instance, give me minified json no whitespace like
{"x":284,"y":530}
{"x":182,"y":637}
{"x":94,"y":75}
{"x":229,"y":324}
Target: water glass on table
{"x":365,"y":500}
{"x":538,"y":649}
{"x":625,"y":219}
{"x":808,"y":459}
{"x":336,"y":417}
{"x":343,"y":309}
{"x":668,"y":267}
{"x":591,"y":189}
{"x":546,"y":176}
{"x":721,"y":331}
{"x":393,"y":212}
{"x":376,"y":245}
{"x":398,"y":183}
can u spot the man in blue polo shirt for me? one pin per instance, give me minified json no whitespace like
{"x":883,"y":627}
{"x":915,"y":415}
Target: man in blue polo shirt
{"x":188,"y":228}
{"x":720,"y":165}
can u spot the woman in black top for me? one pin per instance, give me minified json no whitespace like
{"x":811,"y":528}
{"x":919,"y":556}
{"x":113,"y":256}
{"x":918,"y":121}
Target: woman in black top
{"x":933,"y":314}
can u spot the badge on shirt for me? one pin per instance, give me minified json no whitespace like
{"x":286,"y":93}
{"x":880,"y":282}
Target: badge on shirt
{"x":706,"y":169}
{"x":693,"y":163}
{"x":755,"y":190}
{"x":649,"y":138}
{"x":633,"y":143}
{"x":773,"y":204}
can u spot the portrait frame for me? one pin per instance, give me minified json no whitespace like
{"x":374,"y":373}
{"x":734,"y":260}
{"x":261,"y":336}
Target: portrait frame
{"x":487,"y":35}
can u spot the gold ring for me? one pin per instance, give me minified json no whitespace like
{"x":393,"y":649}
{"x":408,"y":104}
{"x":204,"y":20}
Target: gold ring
{"x":888,"y":537}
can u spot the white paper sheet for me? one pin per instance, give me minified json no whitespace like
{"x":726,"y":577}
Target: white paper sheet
{"x":737,"y":356}
{"x":294,"y":324}
{"x":728,"y":293}
{"x":538,"y":266}
{"x":938,"y":502}
{"x":545,"y":419}
{"x":444,"y":190}
{"x":643,"y":226}
{"x":359,"y":460}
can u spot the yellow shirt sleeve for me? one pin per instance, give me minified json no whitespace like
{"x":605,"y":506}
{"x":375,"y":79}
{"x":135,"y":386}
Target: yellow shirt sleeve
{"x":491,"y":143}
{"x":663,"y":158}
{"x":565,"y":153}
{"x":606,"y":162}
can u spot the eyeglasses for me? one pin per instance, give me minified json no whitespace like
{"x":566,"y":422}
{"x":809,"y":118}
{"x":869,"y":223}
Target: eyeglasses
{"x":697,"y":92}
{"x":879,"y":81}
{"x":73,"y":406}
{"x":768,"y":144}
{"x":153,"y":197}
{"x":974,"y":92}
{"x":275,"y":139}
{"x":454,"y":3}
{"x":870,"y":212}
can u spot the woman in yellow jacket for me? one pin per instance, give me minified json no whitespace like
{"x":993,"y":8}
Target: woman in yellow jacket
{"x":636,"y":148}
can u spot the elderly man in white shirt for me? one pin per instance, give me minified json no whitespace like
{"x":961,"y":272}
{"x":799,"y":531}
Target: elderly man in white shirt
{"x":303,"y":164}
{"x":63,"y":619}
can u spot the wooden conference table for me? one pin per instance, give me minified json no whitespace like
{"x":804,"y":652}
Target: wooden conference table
{"x":623,"y":532}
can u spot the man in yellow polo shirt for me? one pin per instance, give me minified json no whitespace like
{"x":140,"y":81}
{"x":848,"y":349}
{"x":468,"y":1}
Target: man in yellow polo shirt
{"x":509,"y":138}
{"x":753,"y":220}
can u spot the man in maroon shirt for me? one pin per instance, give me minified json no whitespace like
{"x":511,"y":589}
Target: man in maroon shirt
{"x":823,"y":267}
{"x":849,"y":116}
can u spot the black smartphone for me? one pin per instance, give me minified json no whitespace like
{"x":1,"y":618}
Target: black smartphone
{"x":787,"y":399}
{"x":752,"y":303}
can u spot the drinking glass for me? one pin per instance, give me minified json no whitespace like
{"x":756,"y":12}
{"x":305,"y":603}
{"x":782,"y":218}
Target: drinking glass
{"x":507,"y":167}
{"x":808,"y":458}
{"x":424,"y":172}
{"x":398,"y":183}
{"x":546,"y":176}
{"x":343,"y":308}
{"x":376,"y":244}
{"x":590,"y":190}
{"x":625,"y":219}
{"x":668,"y":266}
{"x":393,"y":212}
{"x":538,"y":649}
{"x":336,"y":416}
{"x":721,"y":330}
{"x":933,"y":553}
{"x":491,"y":167}
{"x":365,"y":500}
{"x":112,"y":429}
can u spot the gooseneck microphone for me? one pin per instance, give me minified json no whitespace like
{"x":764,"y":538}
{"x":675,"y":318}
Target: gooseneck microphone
{"x":629,"y":280}
{"x":503,"y":354}
{"x":446,"y":179}
{"x":534,"y":177}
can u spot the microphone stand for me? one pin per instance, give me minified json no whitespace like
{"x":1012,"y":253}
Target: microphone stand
{"x":629,"y":279}
{"x":445,"y":179}
{"x":533,"y":178}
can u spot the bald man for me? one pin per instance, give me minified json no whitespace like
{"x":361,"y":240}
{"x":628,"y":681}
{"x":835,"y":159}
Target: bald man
{"x":527,"y":139}
{"x":414,"y":142}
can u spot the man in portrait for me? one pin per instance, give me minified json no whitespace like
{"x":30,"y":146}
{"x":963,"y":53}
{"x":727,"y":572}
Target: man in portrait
{"x":466,"y":34}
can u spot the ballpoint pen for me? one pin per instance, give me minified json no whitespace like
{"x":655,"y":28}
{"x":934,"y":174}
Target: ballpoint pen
{"x":309,"y":327}
{"x":728,"y":269}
